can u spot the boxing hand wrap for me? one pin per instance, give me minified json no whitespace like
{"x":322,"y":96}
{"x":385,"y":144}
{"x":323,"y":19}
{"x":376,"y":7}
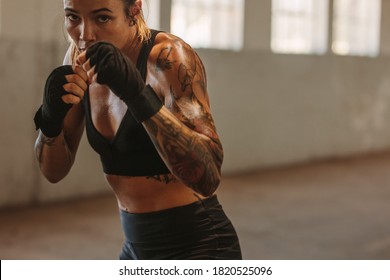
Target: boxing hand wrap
{"x":145,"y":104}
{"x":50,"y":116}
{"x":119,"y":73}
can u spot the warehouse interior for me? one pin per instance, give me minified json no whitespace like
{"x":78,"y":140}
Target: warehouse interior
{"x":304,"y":122}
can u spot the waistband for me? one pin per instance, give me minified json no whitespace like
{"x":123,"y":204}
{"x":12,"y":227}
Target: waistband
{"x":182,"y":220}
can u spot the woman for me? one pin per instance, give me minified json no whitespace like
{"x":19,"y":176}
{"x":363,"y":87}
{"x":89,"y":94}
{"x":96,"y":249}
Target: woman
{"x":141,"y":94}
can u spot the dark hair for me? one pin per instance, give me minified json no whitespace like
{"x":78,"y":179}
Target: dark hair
{"x":128,"y":4}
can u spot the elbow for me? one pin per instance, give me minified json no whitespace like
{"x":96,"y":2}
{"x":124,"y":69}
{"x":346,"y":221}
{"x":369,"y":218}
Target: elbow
{"x":54,"y":173}
{"x":203,"y":176}
{"x":53,"y":180}
{"x":53,"y":177}
{"x":213,"y":177}
{"x":209,"y":186}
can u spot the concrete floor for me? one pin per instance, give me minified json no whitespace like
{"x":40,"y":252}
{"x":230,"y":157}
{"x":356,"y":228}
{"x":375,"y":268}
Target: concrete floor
{"x":330,"y":210}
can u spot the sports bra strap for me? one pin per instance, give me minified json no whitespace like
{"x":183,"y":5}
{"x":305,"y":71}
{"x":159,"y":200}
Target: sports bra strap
{"x":144,"y":53}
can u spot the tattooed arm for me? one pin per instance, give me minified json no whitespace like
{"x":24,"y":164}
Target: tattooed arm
{"x":56,"y":155}
{"x":183,"y":130}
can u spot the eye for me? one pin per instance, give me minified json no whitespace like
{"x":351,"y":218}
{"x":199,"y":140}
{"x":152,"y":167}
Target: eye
{"x":103,"y":18}
{"x":72,"y":17}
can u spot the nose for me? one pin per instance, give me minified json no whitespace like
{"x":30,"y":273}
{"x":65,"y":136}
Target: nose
{"x":87,"y":35}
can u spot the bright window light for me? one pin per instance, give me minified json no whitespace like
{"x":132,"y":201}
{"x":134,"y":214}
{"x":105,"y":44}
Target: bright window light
{"x":299,"y":26}
{"x":209,"y":23}
{"x":151,"y":10}
{"x":356,"y":27}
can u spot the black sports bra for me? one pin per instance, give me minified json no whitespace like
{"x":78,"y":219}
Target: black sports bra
{"x":130,"y":152}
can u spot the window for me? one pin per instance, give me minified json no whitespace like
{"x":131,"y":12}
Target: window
{"x":151,"y":10}
{"x":299,"y":26}
{"x":209,"y":23}
{"x":356,"y":27}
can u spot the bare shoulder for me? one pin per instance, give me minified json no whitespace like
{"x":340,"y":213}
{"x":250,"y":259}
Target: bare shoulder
{"x":170,"y":50}
{"x":179,"y":77}
{"x":177,"y":66}
{"x":168,"y":42}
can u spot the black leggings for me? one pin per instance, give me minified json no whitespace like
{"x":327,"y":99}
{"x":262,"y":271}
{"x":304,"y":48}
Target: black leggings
{"x":198,"y":231}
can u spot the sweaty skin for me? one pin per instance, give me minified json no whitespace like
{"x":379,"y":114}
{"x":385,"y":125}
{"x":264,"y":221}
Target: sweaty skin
{"x":183,"y":131}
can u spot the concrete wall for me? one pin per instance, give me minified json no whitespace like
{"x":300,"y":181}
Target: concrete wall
{"x":32,"y":43}
{"x":270,"y":109}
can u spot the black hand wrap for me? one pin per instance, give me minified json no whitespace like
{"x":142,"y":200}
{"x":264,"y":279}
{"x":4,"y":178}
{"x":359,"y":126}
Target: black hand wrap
{"x":115,"y":70}
{"x":50,"y":116}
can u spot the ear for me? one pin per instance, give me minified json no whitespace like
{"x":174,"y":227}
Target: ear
{"x":135,"y":10}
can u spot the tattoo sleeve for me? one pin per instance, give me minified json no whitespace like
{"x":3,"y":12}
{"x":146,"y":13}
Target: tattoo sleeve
{"x":192,"y":157}
{"x":183,"y":131}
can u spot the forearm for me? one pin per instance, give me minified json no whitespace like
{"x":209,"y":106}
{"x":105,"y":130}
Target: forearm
{"x":54,"y":157}
{"x":192,"y":157}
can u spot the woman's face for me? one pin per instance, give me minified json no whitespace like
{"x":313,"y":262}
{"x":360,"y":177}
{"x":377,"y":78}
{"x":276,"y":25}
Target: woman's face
{"x":89,"y":21}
